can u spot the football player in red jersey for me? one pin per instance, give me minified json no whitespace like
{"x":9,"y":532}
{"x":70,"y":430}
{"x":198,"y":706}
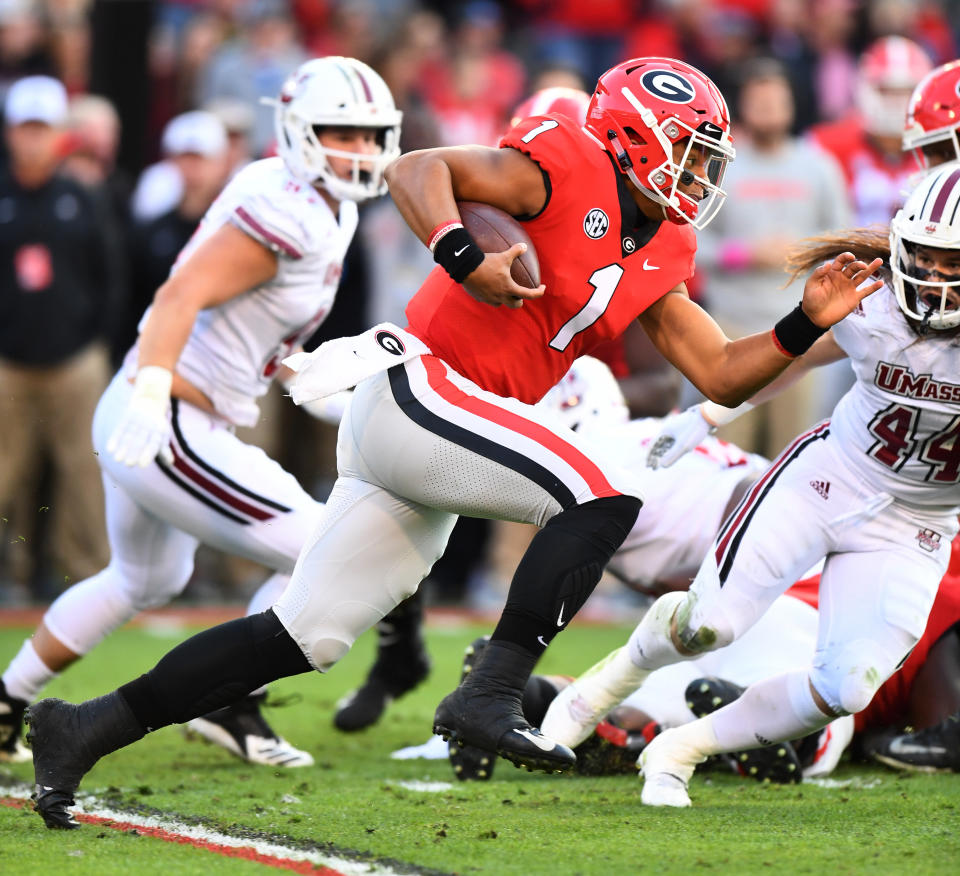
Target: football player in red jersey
{"x":442,"y":424}
{"x":933,"y":117}
{"x":866,"y":143}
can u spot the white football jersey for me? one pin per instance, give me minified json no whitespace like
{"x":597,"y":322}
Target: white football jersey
{"x":682,"y":505}
{"x":235,"y":349}
{"x":899,"y":426}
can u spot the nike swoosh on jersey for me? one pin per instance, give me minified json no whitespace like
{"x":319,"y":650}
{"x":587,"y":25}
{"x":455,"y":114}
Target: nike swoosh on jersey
{"x":648,"y":267}
{"x":541,"y":742}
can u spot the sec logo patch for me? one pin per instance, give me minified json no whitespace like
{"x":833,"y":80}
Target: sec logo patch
{"x":595,"y":224}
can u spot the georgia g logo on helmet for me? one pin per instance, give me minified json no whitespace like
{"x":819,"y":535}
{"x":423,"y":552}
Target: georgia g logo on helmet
{"x":668,"y":86}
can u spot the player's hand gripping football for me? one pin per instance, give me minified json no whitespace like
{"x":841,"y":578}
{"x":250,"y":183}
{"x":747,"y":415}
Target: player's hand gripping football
{"x":143,"y":432}
{"x":492,"y":284}
{"x":679,"y":433}
{"x":836,"y":288}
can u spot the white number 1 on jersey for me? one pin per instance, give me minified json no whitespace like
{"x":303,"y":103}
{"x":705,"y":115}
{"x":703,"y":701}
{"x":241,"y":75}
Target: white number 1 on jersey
{"x":604,"y":282}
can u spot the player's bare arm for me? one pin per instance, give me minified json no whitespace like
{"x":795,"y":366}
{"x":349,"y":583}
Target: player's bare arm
{"x":426,"y":184}
{"x":729,"y":372}
{"x":199,"y":283}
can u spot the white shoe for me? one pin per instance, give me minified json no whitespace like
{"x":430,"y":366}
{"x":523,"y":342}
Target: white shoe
{"x":242,"y":730}
{"x":667,"y":764}
{"x":19,"y":753}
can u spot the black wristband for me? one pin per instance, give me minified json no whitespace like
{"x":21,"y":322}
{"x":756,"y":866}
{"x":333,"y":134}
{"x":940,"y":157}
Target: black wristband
{"x":796,"y":332}
{"x":458,"y":254}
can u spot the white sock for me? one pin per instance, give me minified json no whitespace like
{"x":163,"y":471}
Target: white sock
{"x":612,"y":680}
{"x":650,"y":646}
{"x":773,"y":710}
{"x":27,"y":674}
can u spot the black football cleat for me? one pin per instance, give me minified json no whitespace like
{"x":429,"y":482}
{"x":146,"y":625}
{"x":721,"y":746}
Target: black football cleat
{"x":60,"y":760}
{"x":776,"y":763}
{"x":12,"y":749}
{"x":485,"y":712}
{"x":611,"y":750}
{"x":469,"y":763}
{"x":402,"y":664}
{"x":935,"y":749}
{"x":67,"y":740}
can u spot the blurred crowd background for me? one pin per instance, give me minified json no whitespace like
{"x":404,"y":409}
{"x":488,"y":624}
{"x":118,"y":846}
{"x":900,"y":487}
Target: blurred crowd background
{"x":161,"y":104}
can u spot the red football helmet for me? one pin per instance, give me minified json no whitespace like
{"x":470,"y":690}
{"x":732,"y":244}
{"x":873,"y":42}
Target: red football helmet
{"x":642,"y":109}
{"x":888,"y":71}
{"x":933,"y":117}
{"x":570,"y":102}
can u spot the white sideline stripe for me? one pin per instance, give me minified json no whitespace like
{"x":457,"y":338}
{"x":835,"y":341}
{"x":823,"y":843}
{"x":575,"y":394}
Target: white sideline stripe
{"x":88,"y":806}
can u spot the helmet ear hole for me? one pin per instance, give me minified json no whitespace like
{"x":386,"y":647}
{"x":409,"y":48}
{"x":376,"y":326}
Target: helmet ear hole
{"x":635,"y":137}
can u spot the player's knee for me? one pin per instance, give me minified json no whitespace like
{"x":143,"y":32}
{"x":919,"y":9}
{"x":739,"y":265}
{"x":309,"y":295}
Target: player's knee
{"x":326,"y":651}
{"x":848,"y":678}
{"x":156,"y":585}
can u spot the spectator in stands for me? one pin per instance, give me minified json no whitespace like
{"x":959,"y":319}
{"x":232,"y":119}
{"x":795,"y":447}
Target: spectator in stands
{"x":255,"y":64}
{"x":59,"y":290}
{"x":780,"y":190}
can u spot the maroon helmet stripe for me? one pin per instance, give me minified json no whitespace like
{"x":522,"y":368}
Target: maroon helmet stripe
{"x":936,"y":214}
{"x":366,"y":88}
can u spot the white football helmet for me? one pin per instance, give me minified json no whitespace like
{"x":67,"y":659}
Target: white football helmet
{"x":336,"y":91}
{"x":588,"y":397}
{"x":929,"y":218}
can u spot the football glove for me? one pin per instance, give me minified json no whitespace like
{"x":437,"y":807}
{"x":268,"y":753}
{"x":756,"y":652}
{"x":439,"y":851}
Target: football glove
{"x":678,"y":434}
{"x":144,"y":429}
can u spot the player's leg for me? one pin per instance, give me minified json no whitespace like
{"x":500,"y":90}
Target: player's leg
{"x":233,"y":496}
{"x":758,"y":553}
{"x":873,"y":607}
{"x":482,"y":455}
{"x":148,"y":557}
{"x":331,"y":599}
{"x":400,"y":665}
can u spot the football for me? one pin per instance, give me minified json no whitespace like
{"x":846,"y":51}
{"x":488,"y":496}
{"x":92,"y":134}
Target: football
{"x":495,"y":231}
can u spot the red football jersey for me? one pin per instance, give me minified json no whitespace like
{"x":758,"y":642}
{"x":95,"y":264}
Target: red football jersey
{"x":602,"y":262}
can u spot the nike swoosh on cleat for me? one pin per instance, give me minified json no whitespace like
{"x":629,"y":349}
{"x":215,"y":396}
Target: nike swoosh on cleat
{"x":542,"y":743}
{"x":540,"y":640}
{"x":560,"y":616}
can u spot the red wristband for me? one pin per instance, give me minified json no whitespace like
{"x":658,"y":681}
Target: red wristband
{"x":441,"y":231}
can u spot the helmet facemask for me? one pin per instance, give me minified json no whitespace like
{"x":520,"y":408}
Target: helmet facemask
{"x":663,"y":183}
{"x":366,"y":175}
{"x":930,"y":300}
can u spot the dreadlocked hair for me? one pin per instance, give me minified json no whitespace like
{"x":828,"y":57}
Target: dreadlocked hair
{"x":866,"y":244}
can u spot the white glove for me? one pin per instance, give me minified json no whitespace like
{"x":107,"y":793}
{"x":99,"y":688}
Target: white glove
{"x":331,"y":408}
{"x":678,"y":434}
{"x":682,"y":432}
{"x":144,"y":430}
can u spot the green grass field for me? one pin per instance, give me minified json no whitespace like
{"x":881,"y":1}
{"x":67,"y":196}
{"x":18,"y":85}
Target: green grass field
{"x":516,"y":824}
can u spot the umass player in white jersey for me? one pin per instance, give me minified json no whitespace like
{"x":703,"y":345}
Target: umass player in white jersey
{"x":255,"y":281}
{"x":874,"y":491}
